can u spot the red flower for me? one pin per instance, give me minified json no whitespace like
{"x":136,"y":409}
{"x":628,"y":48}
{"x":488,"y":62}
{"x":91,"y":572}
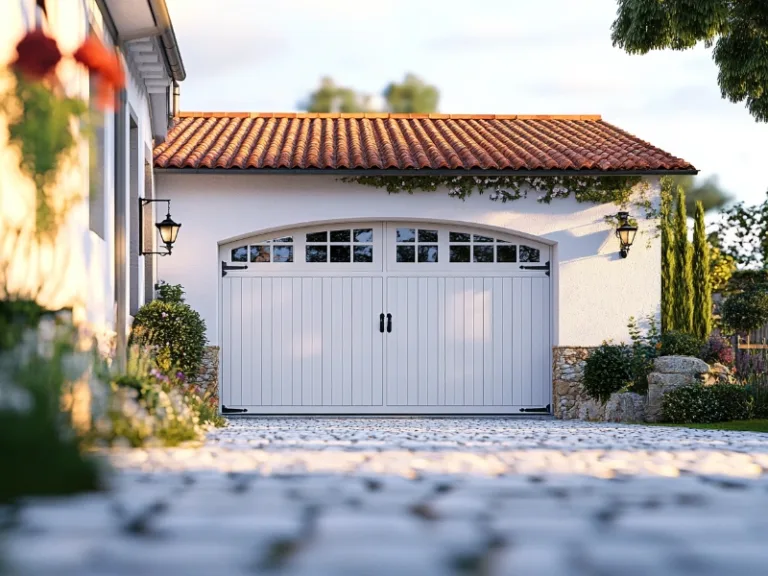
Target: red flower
{"x":37,"y":55}
{"x":106,"y":65}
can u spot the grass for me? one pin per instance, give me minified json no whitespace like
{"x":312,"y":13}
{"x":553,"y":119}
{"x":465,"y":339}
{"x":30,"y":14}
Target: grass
{"x":757,"y":425}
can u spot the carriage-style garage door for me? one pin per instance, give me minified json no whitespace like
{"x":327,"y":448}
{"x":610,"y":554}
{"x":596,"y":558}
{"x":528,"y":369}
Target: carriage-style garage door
{"x":385,"y":318}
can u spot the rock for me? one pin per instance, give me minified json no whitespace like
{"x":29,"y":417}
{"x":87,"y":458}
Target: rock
{"x":591,"y":410}
{"x":718,"y":374}
{"x":658,"y":385}
{"x":680,"y":365}
{"x":625,"y":407}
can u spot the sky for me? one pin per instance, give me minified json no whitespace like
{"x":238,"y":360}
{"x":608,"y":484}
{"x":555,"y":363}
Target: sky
{"x":485,"y":56}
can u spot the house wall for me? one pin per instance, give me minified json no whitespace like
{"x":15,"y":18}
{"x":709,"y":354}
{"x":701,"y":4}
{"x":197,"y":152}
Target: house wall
{"x":597,"y":291}
{"x":79,"y":268}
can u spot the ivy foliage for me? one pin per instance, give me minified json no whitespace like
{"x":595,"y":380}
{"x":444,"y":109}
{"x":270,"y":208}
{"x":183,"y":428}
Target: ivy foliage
{"x":599,"y":190}
{"x":40,"y":126}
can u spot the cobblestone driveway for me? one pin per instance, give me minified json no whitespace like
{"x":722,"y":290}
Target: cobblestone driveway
{"x":417,"y":496}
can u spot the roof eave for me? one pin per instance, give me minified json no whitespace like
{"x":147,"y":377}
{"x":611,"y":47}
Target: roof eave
{"x":423,"y":172}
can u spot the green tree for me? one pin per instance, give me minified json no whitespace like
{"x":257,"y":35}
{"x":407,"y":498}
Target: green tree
{"x":332,"y":98}
{"x":411,"y":96}
{"x":702,"y":287}
{"x":708,"y":192}
{"x":743,"y":233}
{"x":738,"y":29}
{"x":667,"y":257}
{"x":683,"y":278}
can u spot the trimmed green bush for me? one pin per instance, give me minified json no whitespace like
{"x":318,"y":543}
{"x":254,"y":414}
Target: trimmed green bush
{"x":675,"y":343}
{"x":745,"y":311}
{"x":607,"y":370}
{"x":705,"y":404}
{"x":173,"y":330}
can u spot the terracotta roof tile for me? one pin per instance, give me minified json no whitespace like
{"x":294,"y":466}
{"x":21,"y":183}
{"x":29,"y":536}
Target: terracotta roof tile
{"x":377,"y":141}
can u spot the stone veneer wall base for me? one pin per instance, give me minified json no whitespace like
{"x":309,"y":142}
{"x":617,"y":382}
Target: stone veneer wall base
{"x":208,"y":378}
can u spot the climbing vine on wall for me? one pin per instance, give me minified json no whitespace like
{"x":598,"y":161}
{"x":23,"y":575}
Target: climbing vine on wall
{"x":619,"y":190}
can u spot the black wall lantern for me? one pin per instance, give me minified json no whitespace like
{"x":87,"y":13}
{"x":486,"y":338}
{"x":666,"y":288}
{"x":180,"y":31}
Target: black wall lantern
{"x":168,"y":229}
{"x":625,"y":233}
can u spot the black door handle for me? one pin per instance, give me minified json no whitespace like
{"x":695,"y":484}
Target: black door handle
{"x":389,"y":322}
{"x":381,"y":322}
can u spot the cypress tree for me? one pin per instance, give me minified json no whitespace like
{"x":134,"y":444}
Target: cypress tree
{"x":667,"y":259}
{"x":683,"y":278}
{"x":702,"y":288}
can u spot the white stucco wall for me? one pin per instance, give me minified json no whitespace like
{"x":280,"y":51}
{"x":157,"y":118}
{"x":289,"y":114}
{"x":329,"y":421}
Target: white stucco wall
{"x":597,"y":291}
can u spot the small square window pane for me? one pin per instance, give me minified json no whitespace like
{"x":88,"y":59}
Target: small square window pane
{"x":459,"y":237}
{"x":240,"y":254}
{"x":528,"y":254}
{"x":317,"y":237}
{"x":341,"y":236}
{"x":427,"y":235}
{"x":283,"y":253}
{"x":479,"y":238}
{"x":406,"y":254}
{"x":283,"y":239}
{"x":364,"y":235}
{"x":482,"y":253}
{"x":340,"y":253}
{"x":406,"y":235}
{"x":507,"y":253}
{"x":363,"y":254}
{"x":460,"y":253}
{"x":260,"y":253}
{"x":427,"y":253}
{"x":317,"y":253}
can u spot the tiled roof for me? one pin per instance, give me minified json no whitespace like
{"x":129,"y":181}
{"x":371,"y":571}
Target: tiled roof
{"x":335,"y":142}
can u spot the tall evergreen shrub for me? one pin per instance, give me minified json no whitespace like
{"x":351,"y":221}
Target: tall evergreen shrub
{"x":683,"y":278}
{"x":702,"y":287}
{"x":667,"y":258}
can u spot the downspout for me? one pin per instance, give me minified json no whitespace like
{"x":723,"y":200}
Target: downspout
{"x":175,"y":101}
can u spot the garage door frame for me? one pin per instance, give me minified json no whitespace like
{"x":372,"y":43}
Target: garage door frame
{"x":381,"y":269}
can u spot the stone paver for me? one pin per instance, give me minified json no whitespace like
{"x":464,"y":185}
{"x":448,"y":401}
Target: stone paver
{"x":414,"y":496}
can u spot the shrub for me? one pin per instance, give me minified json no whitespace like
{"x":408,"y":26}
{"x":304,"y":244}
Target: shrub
{"x":607,"y":370}
{"x":752,"y":372}
{"x":704,"y":404}
{"x":745,"y":311}
{"x":172,"y":329}
{"x":644,"y":350}
{"x":39,"y":447}
{"x":675,"y":343}
{"x":733,"y":402}
{"x":147,"y":407}
{"x":717,"y":350}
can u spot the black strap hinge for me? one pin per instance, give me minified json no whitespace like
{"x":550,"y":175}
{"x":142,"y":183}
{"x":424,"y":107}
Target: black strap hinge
{"x":544,"y":410}
{"x":544,"y":267}
{"x":225,"y":410}
{"x":225,"y":267}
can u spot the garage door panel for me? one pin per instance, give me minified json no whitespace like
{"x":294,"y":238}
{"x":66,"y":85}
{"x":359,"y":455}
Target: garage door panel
{"x":470,"y":332}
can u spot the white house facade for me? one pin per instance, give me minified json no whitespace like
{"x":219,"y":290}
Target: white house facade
{"x":96,"y":266}
{"x":334,"y":297}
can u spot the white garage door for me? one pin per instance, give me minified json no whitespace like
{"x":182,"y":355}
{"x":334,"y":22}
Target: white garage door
{"x":385,"y":318}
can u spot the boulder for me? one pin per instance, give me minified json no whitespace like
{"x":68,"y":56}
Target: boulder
{"x":658,"y":385}
{"x":625,"y":407}
{"x":680,"y":365}
{"x":591,"y":410}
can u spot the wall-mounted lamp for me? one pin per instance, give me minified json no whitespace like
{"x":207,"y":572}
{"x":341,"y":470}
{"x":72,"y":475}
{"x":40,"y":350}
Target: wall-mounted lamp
{"x":168,"y":229}
{"x":625,"y":232}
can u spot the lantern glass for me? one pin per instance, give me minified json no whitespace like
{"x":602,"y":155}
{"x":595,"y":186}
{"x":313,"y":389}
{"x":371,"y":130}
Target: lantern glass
{"x":627,"y":235}
{"x":169,"y":231}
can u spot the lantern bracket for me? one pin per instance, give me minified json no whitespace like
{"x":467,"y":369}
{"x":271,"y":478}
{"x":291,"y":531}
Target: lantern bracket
{"x":143,"y":202}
